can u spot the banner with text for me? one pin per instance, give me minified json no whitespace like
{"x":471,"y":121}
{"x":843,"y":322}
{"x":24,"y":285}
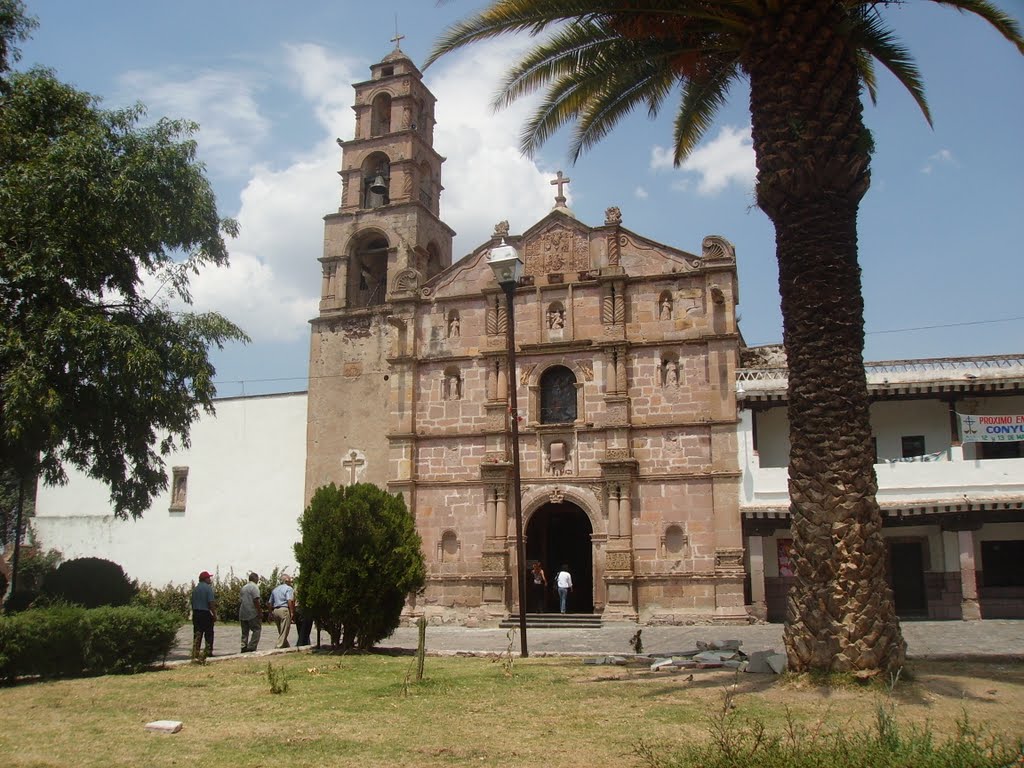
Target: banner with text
{"x":991,"y":429}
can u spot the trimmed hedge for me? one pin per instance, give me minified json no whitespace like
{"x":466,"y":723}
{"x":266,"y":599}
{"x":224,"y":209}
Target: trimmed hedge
{"x":90,"y":582}
{"x":68,"y":640}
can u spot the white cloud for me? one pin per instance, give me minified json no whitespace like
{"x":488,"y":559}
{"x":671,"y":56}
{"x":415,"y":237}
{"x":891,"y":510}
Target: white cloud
{"x":942,"y":157}
{"x":325,"y":80}
{"x":725,"y":160}
{"x":641,"y":193}
{"x":231,"y":125}
{"x":271,"y":288}
{"x":486,"y":178}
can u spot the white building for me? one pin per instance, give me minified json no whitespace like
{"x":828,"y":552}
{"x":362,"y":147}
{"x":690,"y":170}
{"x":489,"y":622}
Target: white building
{"x":232,"y":505}
{"x":953,"y":511}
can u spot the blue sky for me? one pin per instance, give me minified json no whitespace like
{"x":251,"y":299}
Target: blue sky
{"x":270,"y":84}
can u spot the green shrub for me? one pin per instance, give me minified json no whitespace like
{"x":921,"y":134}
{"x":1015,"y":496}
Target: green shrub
{"x":68,"y":640}
{"x":34,"y":565}
{"x":90,"y":582}
{"x":359,"y":558}
{"x":21,"y":600}
{"x":228,"y":593}
{"x":127,"y":639}
{"x":172,"y":598}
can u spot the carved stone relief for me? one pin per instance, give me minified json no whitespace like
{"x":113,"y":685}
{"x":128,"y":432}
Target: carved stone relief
{"x":619,"y":561}
{"x":558,"y":250}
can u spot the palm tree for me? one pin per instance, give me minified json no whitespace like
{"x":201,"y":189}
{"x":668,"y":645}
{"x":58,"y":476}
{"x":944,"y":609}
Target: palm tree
{"x":807,"y":62}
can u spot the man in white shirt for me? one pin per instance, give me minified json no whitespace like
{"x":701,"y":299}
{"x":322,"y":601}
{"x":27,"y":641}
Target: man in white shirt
{"x":282,"y":606}
{"x":563,"y":582}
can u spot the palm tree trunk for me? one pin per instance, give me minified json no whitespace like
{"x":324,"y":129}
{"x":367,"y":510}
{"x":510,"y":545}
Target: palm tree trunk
{"x":812,"y":155}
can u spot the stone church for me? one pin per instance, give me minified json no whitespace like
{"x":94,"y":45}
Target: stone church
{"x":626,"y":357}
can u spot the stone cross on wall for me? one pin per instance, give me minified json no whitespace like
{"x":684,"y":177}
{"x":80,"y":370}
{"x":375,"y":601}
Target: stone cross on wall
{"x":353,"y":463}
{"x":560,"y":181}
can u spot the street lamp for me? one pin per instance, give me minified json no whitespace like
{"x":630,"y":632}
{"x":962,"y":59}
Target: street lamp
{"x":508,"y":268}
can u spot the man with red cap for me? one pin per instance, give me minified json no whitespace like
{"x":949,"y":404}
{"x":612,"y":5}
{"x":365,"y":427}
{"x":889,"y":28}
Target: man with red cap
{"x":204,"y":614}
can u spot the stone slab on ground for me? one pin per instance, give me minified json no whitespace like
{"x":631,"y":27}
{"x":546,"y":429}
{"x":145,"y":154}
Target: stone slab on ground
{"x":164,"y":726}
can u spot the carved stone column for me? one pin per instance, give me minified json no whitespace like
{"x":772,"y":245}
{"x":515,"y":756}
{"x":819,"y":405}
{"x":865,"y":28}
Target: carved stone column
{"x":625,"y":511}
{"x":501,"y":520}
{"x":969,"y":606}
{"x":612,"y":506}
{"x":759,"y":607}
{"x":490,"y":512}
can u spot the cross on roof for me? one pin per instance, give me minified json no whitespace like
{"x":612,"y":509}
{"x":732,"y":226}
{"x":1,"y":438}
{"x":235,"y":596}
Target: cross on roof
{"x":397,"y":39}
{"x":560,"y":181}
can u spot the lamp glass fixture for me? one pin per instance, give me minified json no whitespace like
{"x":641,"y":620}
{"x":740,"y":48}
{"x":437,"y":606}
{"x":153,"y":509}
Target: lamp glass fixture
{"x":504,"y":261}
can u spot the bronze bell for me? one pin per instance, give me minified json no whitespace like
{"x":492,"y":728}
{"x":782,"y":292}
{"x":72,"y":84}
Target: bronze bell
{"x":378,"y":186}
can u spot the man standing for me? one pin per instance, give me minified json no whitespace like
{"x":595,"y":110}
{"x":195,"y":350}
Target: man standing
{"x":204,"y":614}
{"x":282,"y":605}
{"x":564,"y":584}
{"x":250,"y":614}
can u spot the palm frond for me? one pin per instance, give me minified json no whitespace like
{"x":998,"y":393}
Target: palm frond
{"x":571,"y":48}
{"x":866,"y":67}
{"x":1005,"y":24}
{"x":872,"y":37}
{"x":702,"y":99}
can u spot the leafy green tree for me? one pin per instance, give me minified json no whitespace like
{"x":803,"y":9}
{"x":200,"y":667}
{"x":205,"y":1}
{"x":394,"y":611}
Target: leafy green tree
{"x":15,"y":26}
{"x":359,"y":559}
{"x":807,"y":62}
{"x":96,"y":371}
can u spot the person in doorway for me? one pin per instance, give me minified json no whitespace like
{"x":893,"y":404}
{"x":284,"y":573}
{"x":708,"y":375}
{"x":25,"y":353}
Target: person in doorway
{"x":250,"y":614}
{"x":204,"y":614}
{"x":540,"y":586}
{"x":282,"y":607}
{"x":563,"y":583}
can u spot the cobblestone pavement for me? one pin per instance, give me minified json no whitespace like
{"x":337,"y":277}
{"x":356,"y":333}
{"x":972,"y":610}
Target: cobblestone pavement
{"x":992,"y":639}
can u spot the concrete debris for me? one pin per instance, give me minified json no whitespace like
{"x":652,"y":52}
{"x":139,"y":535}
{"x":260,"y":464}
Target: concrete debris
{"x":164,"y":726}
{"x":618,"y":661}
{"x":725,"y":654}
{"x":758,"y":662}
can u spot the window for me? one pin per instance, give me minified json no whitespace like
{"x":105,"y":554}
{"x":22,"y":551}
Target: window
{"x":913,"y":445}
{"x":557,"y":396}
{"x":1000,"y":563}
{"x":179,"y":488}
{"x":1000,"y":450}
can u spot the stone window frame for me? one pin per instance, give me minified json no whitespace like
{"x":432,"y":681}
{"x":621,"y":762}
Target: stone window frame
{"x":179,"y":489}
{"x":533,"y":389}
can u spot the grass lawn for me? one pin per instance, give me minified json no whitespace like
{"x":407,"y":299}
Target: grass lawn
{"x":359,"y":710}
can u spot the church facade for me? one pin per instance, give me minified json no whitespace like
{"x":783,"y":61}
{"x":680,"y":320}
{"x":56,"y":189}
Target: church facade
{"x":626,"y":358}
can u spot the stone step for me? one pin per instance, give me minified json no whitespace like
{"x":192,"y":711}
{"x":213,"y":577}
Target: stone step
{"x":555,"y":621}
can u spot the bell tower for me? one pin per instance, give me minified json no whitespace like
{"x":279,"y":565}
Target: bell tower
{"x":385,"y":240}
{"x":386,"y":235}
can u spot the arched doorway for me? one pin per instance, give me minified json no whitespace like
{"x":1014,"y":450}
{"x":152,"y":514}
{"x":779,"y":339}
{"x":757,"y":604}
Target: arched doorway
{"x":560,"y":533}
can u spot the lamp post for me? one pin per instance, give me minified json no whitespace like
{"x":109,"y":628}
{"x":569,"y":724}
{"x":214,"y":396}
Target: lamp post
{"x":508,"y":268}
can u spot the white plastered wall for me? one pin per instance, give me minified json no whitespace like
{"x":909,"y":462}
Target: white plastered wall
{"x":246,"y":474}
